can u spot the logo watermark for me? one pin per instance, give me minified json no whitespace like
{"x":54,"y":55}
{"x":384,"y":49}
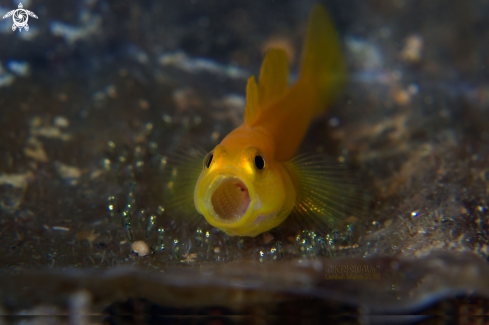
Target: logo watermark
{"x":352,"y":272}
{"x":20,"y":17}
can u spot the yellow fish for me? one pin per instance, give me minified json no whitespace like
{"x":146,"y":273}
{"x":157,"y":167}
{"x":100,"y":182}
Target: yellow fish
{"x":250,"y":182}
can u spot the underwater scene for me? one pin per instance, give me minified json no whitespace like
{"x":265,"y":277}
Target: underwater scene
{"x":246,"y":162}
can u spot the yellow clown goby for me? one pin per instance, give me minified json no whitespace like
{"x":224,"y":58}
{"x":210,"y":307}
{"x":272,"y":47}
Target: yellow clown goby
{"x":250,"y":182}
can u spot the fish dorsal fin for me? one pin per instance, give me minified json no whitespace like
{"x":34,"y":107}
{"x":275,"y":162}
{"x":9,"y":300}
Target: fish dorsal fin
{"x":274,"y":77}
{"x":273,"y":84}
{"x":321,"y":79}
{"x":252,"y":104}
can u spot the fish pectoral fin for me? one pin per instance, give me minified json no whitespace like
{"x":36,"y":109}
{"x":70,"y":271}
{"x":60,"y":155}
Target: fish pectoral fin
{"x":179,"y":177}
{"x":328,"y":195}
{"x":252,"y":104}
{"x":274,"y":77}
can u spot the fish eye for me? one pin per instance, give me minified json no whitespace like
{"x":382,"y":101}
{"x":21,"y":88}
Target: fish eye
{"x":208,"y":160}
{"x":259,"y":162}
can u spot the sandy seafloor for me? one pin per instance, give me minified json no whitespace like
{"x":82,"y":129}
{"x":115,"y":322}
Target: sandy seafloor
{"x":97,"y":94}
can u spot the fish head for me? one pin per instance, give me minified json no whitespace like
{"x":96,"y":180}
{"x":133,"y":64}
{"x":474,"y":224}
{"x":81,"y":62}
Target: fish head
{"x":242,"y":191}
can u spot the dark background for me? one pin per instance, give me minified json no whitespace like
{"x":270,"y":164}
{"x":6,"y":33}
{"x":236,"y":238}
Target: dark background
{"x":97,"y":93}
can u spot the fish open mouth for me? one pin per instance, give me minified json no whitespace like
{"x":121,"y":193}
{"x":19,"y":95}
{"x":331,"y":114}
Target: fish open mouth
{"x":231,"y":199}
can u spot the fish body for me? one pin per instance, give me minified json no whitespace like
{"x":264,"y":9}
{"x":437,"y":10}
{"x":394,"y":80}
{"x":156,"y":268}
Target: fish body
{"x":250,"y":182}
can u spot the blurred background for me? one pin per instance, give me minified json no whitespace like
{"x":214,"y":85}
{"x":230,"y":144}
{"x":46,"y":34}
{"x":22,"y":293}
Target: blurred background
{"x":97,"y":95}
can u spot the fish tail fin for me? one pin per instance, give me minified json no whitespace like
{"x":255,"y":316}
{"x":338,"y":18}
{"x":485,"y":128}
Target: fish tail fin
{"x":322,"y":67}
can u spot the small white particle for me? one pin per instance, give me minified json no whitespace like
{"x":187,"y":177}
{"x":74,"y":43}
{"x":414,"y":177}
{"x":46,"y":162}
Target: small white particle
{"x":140,"y":248}
{"x":60,"y":228}
{"x":334,"y":121}
{"x":61,"y":121}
